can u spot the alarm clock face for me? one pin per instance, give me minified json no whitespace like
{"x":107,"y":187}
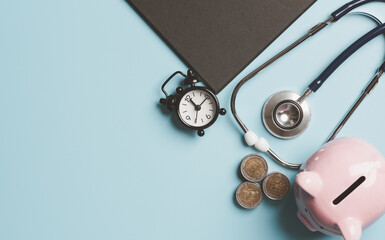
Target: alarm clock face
{"x":198,"y":108}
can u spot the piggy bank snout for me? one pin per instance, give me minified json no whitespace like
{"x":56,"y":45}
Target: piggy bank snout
{"x":338,"y":189}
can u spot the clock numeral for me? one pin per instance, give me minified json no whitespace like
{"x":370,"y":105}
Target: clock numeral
{"x":193,"y":94}
{"x":188,"y":117}
{"x":208,"y":116}
{"x":188,"y":98}
{"x":202,"y":120}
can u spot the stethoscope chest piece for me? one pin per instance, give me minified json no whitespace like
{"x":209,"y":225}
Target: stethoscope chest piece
{"x":284,"y":116}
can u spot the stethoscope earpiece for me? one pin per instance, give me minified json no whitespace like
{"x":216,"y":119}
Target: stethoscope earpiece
{"x":284,"y":116}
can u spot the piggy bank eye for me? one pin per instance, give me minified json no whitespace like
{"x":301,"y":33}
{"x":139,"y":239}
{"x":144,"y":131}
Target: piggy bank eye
{"x":349,"y":190}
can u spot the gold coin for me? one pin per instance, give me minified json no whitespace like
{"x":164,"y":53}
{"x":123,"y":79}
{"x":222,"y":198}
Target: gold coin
{"x":254,"y":168}
{"x":276,"y":186}
{"x":249,"y":195}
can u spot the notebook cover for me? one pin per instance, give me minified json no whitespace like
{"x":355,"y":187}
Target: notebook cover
{"x":217,"y":39}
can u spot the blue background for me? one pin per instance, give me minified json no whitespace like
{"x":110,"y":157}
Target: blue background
{"x":86,"y":152}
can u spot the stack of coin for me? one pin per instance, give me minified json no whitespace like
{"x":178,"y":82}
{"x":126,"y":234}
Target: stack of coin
{"x":254,"y":168}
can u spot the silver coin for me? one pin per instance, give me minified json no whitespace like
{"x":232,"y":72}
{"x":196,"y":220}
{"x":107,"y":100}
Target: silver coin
{"x":254,"y":168}
{"x":249,"y":195}
{"x":276,"y":186}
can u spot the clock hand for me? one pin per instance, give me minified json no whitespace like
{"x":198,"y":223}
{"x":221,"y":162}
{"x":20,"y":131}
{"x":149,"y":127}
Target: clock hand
{"x":193,"y":103}
{"x":196,"y":118}
{"x":197,"y":107}
{"x":203,"y":102}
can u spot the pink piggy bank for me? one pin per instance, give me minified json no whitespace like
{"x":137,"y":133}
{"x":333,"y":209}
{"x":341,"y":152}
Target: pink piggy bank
{"x":341,"y":188}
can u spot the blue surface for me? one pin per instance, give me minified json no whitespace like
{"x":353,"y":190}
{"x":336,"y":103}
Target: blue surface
{"x":87,"y":153}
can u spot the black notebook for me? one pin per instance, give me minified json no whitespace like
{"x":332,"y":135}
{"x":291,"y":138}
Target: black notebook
{"x":217,"y":39}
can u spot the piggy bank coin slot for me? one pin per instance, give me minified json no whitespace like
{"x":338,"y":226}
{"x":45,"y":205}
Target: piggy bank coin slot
{"x":349,"y":190}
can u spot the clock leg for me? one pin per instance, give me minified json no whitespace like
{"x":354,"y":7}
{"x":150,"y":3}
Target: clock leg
{"x":201,"y":132}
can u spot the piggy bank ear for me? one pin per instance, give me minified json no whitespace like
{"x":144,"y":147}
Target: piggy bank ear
{"x":350,"y":228}
{"x":310,"y":182}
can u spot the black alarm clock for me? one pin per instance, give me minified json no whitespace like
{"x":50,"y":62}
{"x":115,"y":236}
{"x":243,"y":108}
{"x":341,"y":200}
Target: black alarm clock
{"x":197,"y":107}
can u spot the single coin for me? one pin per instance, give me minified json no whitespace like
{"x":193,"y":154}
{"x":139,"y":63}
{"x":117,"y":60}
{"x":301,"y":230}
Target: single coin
{"x":276,"y":186}
{"x":254,"y":168}
{"x":249,"y":195}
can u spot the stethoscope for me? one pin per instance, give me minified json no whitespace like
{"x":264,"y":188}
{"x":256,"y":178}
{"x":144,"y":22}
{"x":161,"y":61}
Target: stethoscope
{"x":287,"y":114}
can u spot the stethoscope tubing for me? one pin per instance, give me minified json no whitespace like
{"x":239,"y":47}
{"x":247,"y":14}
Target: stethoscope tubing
{"x":317,"y":83}
{"x":260,"y":143}
{"x":369,"y":88}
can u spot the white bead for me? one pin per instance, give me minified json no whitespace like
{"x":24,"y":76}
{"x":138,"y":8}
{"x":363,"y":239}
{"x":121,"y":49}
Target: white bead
{"x":251,"y":138}
{"x":262,"y":145}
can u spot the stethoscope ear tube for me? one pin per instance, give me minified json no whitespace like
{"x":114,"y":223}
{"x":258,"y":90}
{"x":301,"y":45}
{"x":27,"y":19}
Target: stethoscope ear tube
{"x":382,"y":68}
{"x":317,"y":83}
{"x":345,"y":9}
{"x":369,"y":88}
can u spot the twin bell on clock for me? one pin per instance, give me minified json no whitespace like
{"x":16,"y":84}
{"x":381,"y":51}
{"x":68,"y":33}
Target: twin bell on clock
{"x":197,"y":107}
